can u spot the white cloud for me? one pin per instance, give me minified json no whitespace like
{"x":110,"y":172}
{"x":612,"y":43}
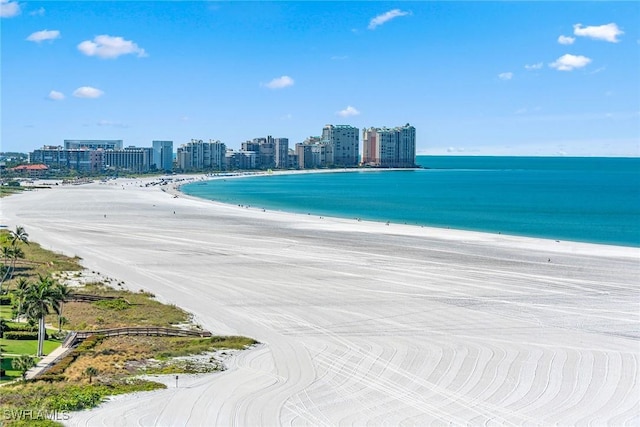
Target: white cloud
{"x":566,"y":40}
{"x":280,"y":82}
{"x":108,"y":47}
{"x":348,"y":112}
{"x":386,"y":17}
{"x":43,"y":35}
{"x":54,"y":95}
{"x":87,"y":92}
{"x":505,"y":76}
{"x":9,"y":9}
{"x":570,"y":62}
{"x":287,"y":116}
{"x":39,"y":12}
{"x":536,"y":66}
{"x":608,"y":32}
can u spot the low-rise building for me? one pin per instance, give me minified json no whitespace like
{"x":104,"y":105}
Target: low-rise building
{"x":31,"y":170}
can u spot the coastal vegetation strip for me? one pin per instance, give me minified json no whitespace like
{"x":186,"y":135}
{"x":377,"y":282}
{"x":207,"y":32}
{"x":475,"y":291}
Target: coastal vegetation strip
{"x":99,"y":366}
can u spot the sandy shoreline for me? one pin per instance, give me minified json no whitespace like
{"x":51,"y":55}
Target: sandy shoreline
{"x":363,"y":323}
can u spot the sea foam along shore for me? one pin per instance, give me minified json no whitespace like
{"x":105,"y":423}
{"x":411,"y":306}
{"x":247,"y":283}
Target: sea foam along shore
{"x":363,"y":322}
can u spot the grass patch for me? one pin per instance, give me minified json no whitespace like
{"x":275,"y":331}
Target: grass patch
{"x":130,"y":309}
{"x":112,"y":304}
{"x":118,"y":357}
{"x":45,"y":398}
{"x":29,"y":347}
{"x":10,"y":373}
{"x":37,"y":261}
{"x":8,"y":190}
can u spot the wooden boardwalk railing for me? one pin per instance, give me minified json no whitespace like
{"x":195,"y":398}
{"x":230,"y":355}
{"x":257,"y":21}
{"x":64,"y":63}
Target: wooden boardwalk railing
{"x":73,"y":337}
{"x":75,"y":296}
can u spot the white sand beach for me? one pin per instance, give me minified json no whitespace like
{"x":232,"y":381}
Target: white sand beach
{"x":362,"y":323}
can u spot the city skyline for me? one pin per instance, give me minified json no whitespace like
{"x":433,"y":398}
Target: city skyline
{"x":473,"y":78}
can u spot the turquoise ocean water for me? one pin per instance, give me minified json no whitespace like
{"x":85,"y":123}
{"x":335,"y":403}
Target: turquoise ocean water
{"x":583,"y":199}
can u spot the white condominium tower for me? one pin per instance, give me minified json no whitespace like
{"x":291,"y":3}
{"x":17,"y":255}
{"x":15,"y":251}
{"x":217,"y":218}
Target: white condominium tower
{"x":198,"y":155}
{"x":344,"y":140}
{"x":389,"y":148}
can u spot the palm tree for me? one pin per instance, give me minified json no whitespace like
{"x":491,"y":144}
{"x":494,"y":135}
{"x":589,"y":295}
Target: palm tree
{"x":91,"y":372}
{"x":16,"y":253}
{"x":19,"y":235}
{"x":18,"y":296}
{"x":7,"y":252}
{"x":63,"y":293}
{"x":4,"y":273}
{"x":13,"y":251}
{"x":23,"y":363}
{"x":39,"y":299}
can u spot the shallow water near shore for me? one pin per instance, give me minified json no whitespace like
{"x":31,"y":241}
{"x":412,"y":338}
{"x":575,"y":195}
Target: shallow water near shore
{"x":593,"y":200}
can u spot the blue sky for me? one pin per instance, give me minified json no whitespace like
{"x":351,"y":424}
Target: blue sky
{"x":474,"y":78}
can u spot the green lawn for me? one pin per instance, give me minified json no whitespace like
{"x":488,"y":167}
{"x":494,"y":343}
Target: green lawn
{"x":26,"y":346}
{"x":13,"y":347}
{"x":10,"y":374}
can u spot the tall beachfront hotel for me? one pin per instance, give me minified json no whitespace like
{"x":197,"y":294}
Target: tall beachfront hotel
{"x":389,"y":148}
{"x":344,"y":141}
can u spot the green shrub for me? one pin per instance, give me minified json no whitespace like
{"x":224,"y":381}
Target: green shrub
{"x":89,"y":343}
{"x":61,"y":366}
{"x":74,"y":399}
{"x":51,"y":378}
{"x":19,"y":327}
{"x":20,"y":335}
{"x":5,"y":299}
{"x":112,"y":304}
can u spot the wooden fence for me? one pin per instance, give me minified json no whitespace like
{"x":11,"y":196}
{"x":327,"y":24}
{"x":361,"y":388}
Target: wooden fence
{"x":74,"y":337}
{"x":75,"y":296}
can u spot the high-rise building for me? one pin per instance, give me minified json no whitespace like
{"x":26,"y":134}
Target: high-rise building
{"x":240,"y":160}
{"x":304,"y":156}
{"x":390,"y":148}
{"x":344,"y":140}
{"x":131,"y":159}
{"x":266,"y":152}
{"x":281,"y":153}
{"x":198,"y":155}
{"x":314,"y":152}
{"x":163,"y":155}
{"x":251,"y":146}
{"x":270,"y":152}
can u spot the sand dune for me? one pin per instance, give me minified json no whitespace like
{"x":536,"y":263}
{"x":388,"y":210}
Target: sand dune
{"x":361,"y":323}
